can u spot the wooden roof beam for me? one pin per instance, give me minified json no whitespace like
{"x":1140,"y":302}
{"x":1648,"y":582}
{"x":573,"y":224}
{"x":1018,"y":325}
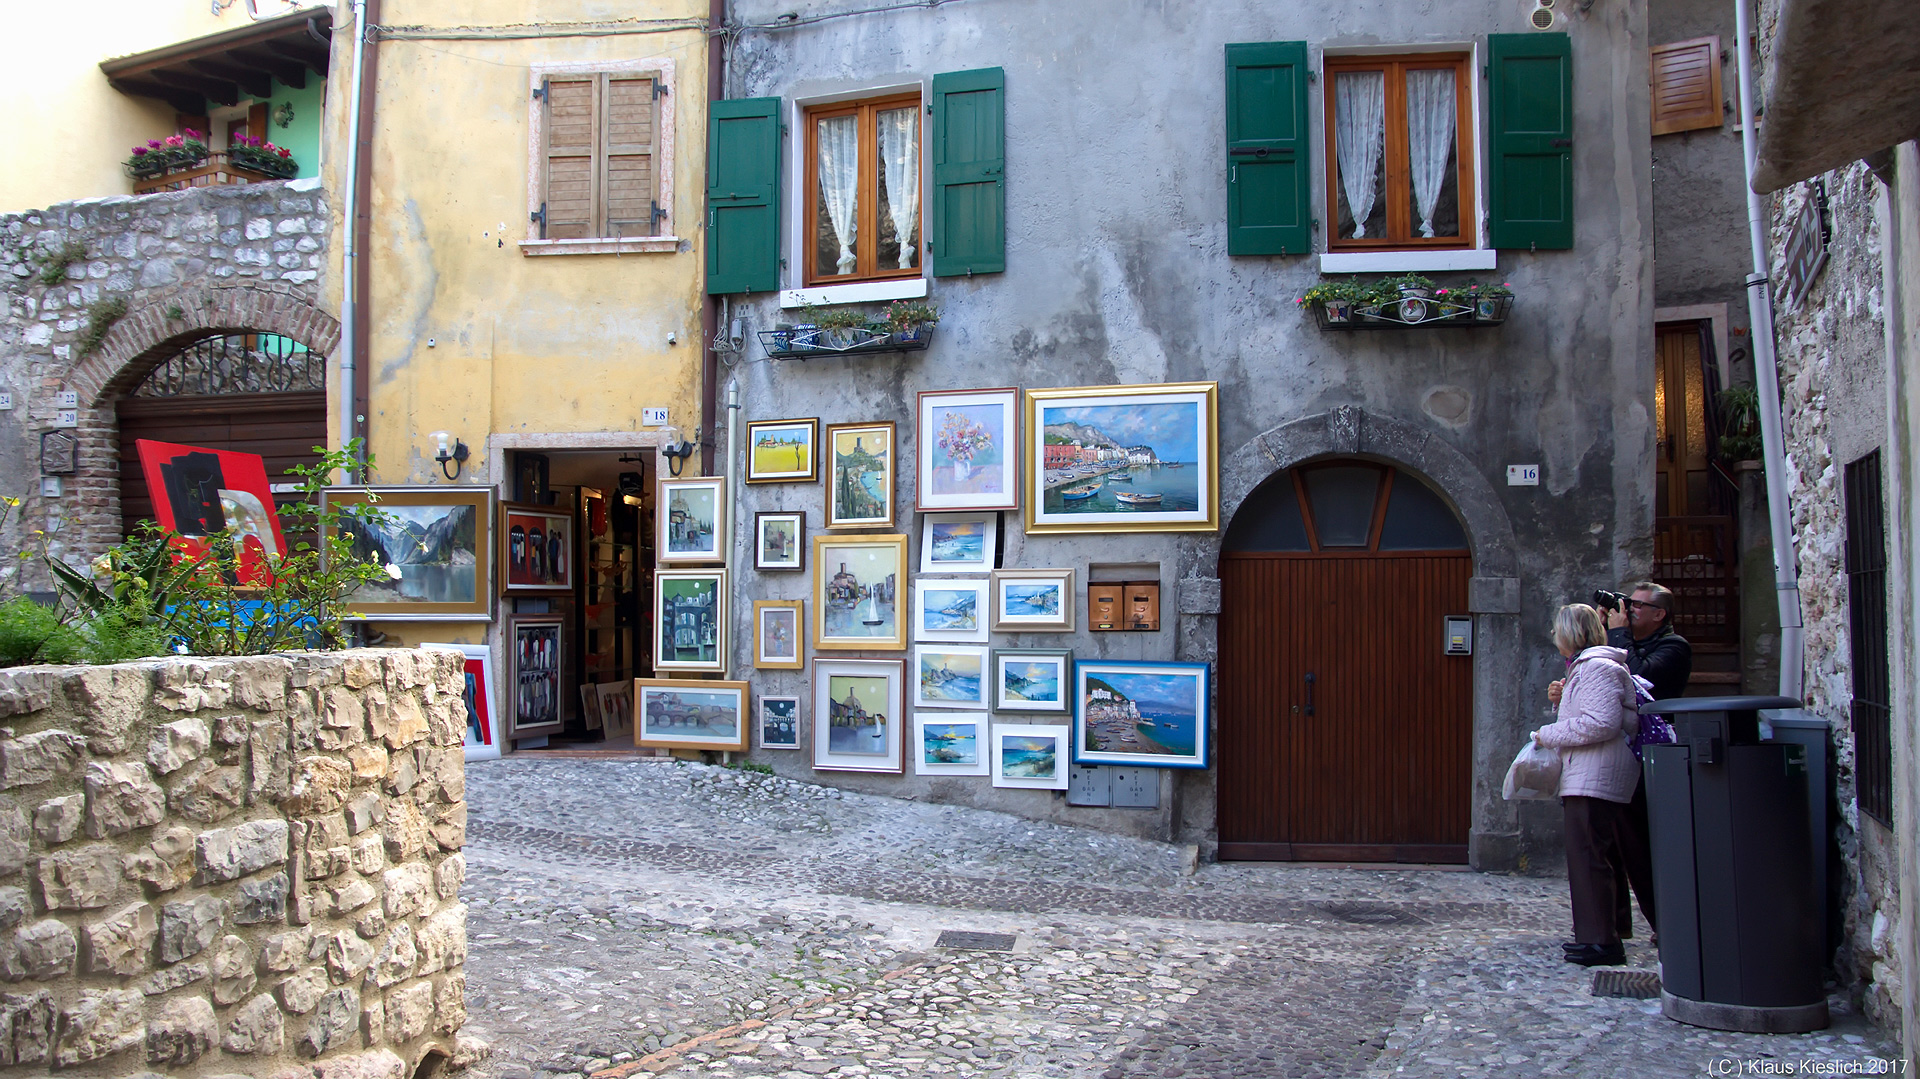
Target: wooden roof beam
{"x":292,"y":75}
{"x":182,"y":101}
{"x":299,"y":50}
{"x":255,"y":82}
{"x":220,"y":93}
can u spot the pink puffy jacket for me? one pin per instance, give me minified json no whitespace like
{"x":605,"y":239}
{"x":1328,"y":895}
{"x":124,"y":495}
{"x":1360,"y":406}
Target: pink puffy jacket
{"x":1597,"y":718}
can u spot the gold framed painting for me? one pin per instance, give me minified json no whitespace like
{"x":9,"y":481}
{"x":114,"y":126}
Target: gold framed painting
{"x":778,"y":634}
{"x":446,"y":578}
{"x":690,"y":713}
{"x":860,"y":478}
{"x":1122,"y":458}
{"x":783,"y":451}
{"x":858,"y":585}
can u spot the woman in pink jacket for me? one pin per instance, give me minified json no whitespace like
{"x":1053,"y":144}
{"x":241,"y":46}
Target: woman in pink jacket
{"x":1597,"y":776}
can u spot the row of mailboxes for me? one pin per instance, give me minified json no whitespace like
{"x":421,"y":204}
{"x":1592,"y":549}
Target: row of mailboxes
{"x":1123,"y":605}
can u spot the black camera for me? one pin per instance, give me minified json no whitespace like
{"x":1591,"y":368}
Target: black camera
{"x":1609,"y":601}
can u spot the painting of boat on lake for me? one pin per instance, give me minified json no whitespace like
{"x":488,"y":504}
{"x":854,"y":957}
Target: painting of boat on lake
{"x":1122,"y":458}
{"x":949,"y":677}
{"x":1151,"y":714}
{"x":856,"y":716}
{"x":857,"y":592}
{"x":1029,"y":755}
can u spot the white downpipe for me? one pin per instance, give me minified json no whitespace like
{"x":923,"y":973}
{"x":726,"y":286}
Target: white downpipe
{"x":1766,"y":373}
{"x":350,"y":251}
{"x":732,"y":472}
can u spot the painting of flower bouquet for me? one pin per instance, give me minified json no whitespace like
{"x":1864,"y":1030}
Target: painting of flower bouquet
{"x":967,"y":445}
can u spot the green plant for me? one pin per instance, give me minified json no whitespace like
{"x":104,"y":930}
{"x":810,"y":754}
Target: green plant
{"x":750,"y":766}
{"x":1343,"y":290}
{"x":1740,"y":422}
{"x":159,"y":155}
{"x":176,"y":312}
{"x":1391,"y":286}
{"x":101,"y":315}
{"x":55,"y":264}
{"x":841,"y":318}
{"x":33,"y":633}
{"x":1478,"y":291}
{"x":905,"y":316}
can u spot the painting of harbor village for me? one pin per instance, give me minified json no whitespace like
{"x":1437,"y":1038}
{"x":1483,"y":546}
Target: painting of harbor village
{"x":857,"y":718}
{"x":860,"y":488}
{"x":1033,"y":600}
{"x":950,"y":677}
{"x":948,"y":746}
{"x":1119,"y":459}
{"x":857,"y":592}
{"x":966,"y":450}
{"x":1141,"y":714}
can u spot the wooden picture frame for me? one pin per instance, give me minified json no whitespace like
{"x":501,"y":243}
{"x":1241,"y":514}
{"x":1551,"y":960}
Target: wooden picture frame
{"x":1125,"y":459}
{"x":955,"y":611}
{"x":949,"y":676}
{"x":482,"y":741}
{"x":537,"y":552}
{"x":1031,"y":680}
{"x":779,"y":634}
{"x":1142,"y":715}
{"x":536,"y":665}
{"x":616,"y":709}
{"x":858,"y":585}
{"x":434,"y":586}
{"x":690,"y":713}
{"x":959,"y":542}
{"x":857,"y":715}
{"x":779,"y":721}
{"x":769,"y":442}
{"x":1033,"y":600}
{"x":967,"y":450}
{"x":1036,"y":756}
{"x":690,"y":618}
{"x":951,"y":744}
{"x":690,"y":520}
{"x":780,"y":540}
{"x":856,"y":452}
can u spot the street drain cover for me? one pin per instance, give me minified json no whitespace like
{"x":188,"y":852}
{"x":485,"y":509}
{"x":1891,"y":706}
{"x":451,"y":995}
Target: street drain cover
{"x":979,"y":942}
{"x":1373,"y":914}
{"x":1638,"y":984}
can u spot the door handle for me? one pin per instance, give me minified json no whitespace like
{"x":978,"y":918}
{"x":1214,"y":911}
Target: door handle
{"x":1309,"y":692}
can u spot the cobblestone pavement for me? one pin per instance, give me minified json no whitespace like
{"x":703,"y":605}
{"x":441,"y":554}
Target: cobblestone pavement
{"x":633,"y":917}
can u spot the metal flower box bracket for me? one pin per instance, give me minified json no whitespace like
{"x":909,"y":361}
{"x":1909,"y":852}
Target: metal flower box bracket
{"x":805,"y":342}
{"x":1435,"y":312}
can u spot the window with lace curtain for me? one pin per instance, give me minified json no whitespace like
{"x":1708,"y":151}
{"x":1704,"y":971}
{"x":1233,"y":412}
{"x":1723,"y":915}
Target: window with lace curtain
{"x":863,"y":190}
{"x":1399,"y":151}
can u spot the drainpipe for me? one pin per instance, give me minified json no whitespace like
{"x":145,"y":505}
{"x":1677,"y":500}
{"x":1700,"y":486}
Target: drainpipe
{"x":352,"y":282}
{"x":1766,"y":373}
{"x":709,"y":306}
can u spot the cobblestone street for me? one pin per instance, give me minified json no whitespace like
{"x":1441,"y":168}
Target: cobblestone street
{"x":634,"y":917}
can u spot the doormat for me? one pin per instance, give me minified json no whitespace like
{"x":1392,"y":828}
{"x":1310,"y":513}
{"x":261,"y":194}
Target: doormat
{"x":1637,"y":984}
{"x":979,"y":942}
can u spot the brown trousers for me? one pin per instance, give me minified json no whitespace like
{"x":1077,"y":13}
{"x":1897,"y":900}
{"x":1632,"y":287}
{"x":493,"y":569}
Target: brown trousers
{"x":1599,"y":835}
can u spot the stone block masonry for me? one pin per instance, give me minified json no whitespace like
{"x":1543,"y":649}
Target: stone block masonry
{"x":233,"y":866}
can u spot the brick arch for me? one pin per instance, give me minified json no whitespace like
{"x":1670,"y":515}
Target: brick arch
{"x":150,"y":332}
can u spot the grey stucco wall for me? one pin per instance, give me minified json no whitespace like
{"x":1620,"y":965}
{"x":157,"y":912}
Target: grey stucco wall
{"x":1118,"y":273}
{"x":1699,"y":185}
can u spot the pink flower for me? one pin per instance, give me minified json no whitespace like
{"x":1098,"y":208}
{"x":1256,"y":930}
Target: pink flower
{"x":153,"y":144}
{"x":190,"y":133}
{"x":288,"y":154}
{"x":173,"y":140}
{"x":139,"y":151}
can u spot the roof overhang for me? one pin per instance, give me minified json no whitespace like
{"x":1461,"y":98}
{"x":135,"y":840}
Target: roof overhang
{"x":225,"y":67}
{"x":1845,"y":84}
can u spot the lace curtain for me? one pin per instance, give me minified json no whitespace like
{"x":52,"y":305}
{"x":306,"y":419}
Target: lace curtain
{"x":839,"y":179}
{"x":1360,"y":124}
{"x":900,"y":160}
{"x":1430,"y":120}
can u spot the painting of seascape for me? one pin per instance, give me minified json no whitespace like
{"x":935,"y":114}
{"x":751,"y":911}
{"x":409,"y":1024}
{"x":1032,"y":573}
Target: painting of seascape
{"x":958,"y":542}
{"x":950,"y":677}
{"x":1030,"y":680}
{"x":1122,"y":459}
{"x":1032,"y":600}
{"x":950,"y":743}
{"x":1152,"y":714}
{"x":952,"y":608}
{"x":1029,"y":755}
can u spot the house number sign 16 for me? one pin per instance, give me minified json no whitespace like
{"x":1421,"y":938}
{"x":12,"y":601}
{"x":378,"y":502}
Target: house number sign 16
{"x":1523,"y":475}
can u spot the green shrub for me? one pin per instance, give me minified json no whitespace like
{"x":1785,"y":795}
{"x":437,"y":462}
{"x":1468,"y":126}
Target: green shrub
{"x":33,"y":633}
{"x":55,"y":264}
{"x":100,"y":318}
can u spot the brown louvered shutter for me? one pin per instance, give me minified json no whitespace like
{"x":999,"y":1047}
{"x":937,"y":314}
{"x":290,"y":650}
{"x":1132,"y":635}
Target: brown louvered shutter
{"x":571,"y":134}
{"x":629,"y":173}
{"x":1686,"y":86}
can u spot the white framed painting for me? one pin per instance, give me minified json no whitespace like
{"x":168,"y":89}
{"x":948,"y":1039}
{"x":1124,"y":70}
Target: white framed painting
{"x":958,"y":542}
{"x":690,"y":520}
{"x":949,"y":744}
{"x":857,"y":715}
{"x":968,"y":444}
{"x":949,"y":676}
{"x":950,"y":611}
{"x":1030,"y":755}
{"x":477,"y":694}
{"x":1033,"y":600}
{"x":1031,"y":679}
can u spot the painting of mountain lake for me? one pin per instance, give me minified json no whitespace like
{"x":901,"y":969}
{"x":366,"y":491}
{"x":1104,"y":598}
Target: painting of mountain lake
{"x":1122,"y":458}
{"x":950,"y":677}
{"x":1142,"y":714}
{"x":1030,"y":680}
{"x":1028,"y":755}
{"x":435,"y":546}
{"x":966,"y":450}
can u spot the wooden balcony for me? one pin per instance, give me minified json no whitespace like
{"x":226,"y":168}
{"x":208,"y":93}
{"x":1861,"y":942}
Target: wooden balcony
{"x":215,"y":170}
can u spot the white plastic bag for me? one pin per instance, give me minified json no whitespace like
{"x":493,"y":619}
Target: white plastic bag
{"x":1535,"y":773}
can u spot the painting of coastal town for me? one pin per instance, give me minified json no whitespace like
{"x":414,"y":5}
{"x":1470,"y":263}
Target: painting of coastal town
{"x":1029,"y":755}
{"x":950,"y":611}
{"x":1030,"y":679}
{"x":860,"y":486}
{"x":967,"y":450}
{"x":689,"y":530}
{"x":857,"y":595}
{"x":688,"y":714}
{"x":1122,"y":458}
{"x":857,"y":714}
{"x":1142,"y":714}
{"x":950,"y":677}
{"x":779,"y":723}
{"x":958,"y":542}
{"x":782,"y":451}
{"x":948,"y":745}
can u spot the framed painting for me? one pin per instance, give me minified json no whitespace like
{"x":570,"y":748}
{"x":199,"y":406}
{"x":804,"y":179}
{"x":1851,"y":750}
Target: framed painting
{"x":199,"y":493}
{"x":1143,"y":715}
{"x":437,"y":543}
{"x":690,"y":620}
{"x":689,"y":520}
{"x":949,"y":744}
{"x":949,"y":676}
{"x":779,"y":540}
{"x":857,"y":715}
{"x":690,"y":713}
{"x":1123,"y":459}
{"x":536,"y":549}
{"x":857,"y":582}
{"x":616,"y":709}
{"x":777,"y":633}
{"x":967,"y":445}
{"x":535,"y":658}
{"x":590,"y":705}
{"x":779,"y":722}
{"x":783,"y":451}
{"x":861,"y":477}
{"x":1033,"y":600}
{"x":1031,"y":679}
{"x":476,"y":694}
{"x":950,"y":611}
{"x":959,"y":542}
{"x":1030,"y":755}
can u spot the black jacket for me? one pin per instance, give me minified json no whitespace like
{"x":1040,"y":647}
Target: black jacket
{"x":1665,"y":659}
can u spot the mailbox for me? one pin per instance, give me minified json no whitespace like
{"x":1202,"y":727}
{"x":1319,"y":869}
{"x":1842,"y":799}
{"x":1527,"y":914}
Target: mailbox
{"x":1123,"y":605}
{"x":1103,"y":605}
{"x":1142,"y":610}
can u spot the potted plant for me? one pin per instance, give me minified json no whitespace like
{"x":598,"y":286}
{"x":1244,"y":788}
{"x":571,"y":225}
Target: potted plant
{"x":1410,"y":286}
{"x":907,"y":318}
{"x":1489,"y":302}
{"x":1337,"y":298}
{"x":253,"y":152}
{"x":838,"y":327}
{"x":184,"y":150}
{"x":1740,"y":422}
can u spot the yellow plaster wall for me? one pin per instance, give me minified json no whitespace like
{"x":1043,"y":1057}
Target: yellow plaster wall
{"x":69,"y":131}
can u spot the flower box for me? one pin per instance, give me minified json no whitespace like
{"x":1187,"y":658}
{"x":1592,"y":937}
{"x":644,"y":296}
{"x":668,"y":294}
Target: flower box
{"x":1454,"y":310}
{"x":802,"y":342}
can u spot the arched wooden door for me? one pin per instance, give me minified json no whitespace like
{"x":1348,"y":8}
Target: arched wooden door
{"x":1345,"y":731}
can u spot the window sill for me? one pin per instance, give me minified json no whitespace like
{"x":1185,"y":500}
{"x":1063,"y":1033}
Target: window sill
{"x":1406,"y":261}
{"x":899,"y":288}
{"x":632,"y":245}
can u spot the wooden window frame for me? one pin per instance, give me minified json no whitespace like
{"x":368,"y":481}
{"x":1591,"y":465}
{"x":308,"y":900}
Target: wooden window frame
{"x":1398,"y":190}
{"x":661,"y":70}
{"x":868,"y":222}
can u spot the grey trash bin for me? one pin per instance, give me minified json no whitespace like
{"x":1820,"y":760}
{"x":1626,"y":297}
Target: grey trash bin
{"x":1741,"y":939}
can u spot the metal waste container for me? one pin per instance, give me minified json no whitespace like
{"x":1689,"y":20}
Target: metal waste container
{"x":1741,"y":938}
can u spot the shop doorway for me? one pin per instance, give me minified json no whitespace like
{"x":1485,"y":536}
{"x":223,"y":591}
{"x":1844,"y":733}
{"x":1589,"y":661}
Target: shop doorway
{"x":1345,"y":729}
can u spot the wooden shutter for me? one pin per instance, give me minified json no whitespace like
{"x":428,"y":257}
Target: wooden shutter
{"x":743,"y":186}
{"x":967,"y":231}
{"x":627,"y":172}
{"x":1269,"y":200}
{"x":1530,"y":184}
{"x":1686,"y":86}
{"x":572,"y":131}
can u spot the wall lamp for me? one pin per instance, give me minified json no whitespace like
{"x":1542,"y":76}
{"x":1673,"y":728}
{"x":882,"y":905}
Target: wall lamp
{"x":451,"y":449}
{"x":675,"y":449}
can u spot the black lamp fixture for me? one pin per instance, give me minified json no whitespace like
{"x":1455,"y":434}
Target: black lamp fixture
{"x":675,"y":449}
{"x":451,"y":449}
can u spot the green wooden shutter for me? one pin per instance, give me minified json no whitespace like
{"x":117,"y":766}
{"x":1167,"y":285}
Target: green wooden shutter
{"x":1269,"y":185}
{"x":743,"y":195}
{"x":1530,"y":184}
{"x":967,"y":231}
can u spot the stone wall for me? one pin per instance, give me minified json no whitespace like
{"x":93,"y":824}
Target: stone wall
{"x":218,"y":866}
